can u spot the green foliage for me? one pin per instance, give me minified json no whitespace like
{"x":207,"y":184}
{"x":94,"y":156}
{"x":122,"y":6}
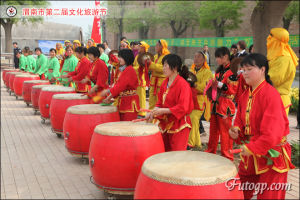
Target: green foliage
{"x":116,"y":12}
{"x":295,"y":153}
{"x":294,"y":95}
{"x":292,"y":11}
{"x":24,"y":20}
{"x":220,"y":16}
{"x":178,"y":14}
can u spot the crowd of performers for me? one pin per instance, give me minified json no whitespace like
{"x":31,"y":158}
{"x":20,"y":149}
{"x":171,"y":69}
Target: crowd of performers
{"x":246,"y":101}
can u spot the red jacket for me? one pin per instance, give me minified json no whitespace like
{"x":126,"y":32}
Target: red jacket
{"x":82,"y":69}
{"x":99,"y":74}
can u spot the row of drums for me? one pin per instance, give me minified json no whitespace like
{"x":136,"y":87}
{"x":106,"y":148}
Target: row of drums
{"x":125,"y":157}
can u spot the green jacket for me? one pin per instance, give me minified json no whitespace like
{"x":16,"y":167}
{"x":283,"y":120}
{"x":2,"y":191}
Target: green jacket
{"x":53,"y":64}
{"x":69,"y":66}
{"x":23,"y":62}
{"x":31,"y":63}
{"x":41,"y":64}
{"x":105,"y":58}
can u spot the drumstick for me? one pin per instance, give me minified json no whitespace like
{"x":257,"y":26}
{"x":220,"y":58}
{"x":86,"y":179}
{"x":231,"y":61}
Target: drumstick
{"x":234,"y":151}
{"x":139,"y":120}
{"x":145,"y":110}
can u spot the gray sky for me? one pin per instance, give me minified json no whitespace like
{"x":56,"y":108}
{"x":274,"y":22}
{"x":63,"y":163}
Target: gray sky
{"x":82,"y":21}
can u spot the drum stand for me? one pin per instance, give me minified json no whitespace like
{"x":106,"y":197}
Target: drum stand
{"x":57,"y":132}
{"x":43,"y":121}
{"x":35,"y":111}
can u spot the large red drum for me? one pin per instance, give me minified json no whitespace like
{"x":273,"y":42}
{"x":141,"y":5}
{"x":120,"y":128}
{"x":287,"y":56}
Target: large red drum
{"x":117,"y":152}
{"x":59,"y":105}
{"x":35,"y":95}
{"x":19,"y":80}
{"x":27,"y":87}
{"x":46,"y":98}
{"x":188,"y":175}
{"x":6,"y":77}
{"x":80,"y":122}
{"x":4,"y":71}
{"x":11,"y":79}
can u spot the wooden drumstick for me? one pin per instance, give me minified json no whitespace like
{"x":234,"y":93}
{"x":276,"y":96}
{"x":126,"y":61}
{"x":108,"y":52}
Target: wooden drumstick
{"x":139,"y":120}
{"x":234,"y":151}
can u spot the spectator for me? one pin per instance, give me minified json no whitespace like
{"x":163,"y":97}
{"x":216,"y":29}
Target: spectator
{"x":206,"y":53}
{"x":251,"y":49}
{"x":241,"y":46}
{"x":16,"y":50}
{"x":107,"y":49}
{"x":233,"y":51}
{"x":103,"y":56}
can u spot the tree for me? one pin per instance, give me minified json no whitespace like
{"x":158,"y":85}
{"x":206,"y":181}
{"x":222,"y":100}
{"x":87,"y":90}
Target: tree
{"x":140,"y":20}
{"x":179,"y":15}
{"x":265,"y":16}
{"x":220,"y":16}
{"x":8,"y":23}
{"x":116,"y":16}
{"x":291,"y":12}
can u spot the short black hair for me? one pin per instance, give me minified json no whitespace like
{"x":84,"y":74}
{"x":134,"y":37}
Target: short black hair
{"x":233,"y":46}
{"x":134,"y":43}
{"x":127,"y":55}
{"x":94,"y":50}
{"x":175,"y":62}
{"x":122,"y":38}
{"x":81,"y":49}
{"x":250,"y":48}
{"x":15,"y":43}
{"x":52,"y":49}
{"x":222,"y":51}
{"x":19,"y":51}
{"x":101,"y":46}
{"x":38,"y":49}
{"x":105,"y":41}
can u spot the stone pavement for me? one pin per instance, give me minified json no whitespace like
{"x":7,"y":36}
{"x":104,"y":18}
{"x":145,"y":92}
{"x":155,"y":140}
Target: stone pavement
{"x":36,"y":165}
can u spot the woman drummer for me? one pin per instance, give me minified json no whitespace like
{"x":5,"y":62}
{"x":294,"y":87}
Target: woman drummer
{"x":53,"y":67}
{"x":81,"y":71}
{"x":261,"y":127}
{"x":125,"y":88}
{"x":98,"y":75}
{"x":69,"y":64}
{"x":174,"y":104}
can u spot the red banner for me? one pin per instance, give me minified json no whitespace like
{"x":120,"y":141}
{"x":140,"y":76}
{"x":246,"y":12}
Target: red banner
{"x":96,"y":33}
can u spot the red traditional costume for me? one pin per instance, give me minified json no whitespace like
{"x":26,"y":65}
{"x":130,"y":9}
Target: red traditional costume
{"x":99,"y":76}
{"x":80,"y":72}
{"x":222,"y":112}
{"x":263,"y":126}
{"x":125,"y":89}
{"x":175,"y":127}
{"x":242,"y":87}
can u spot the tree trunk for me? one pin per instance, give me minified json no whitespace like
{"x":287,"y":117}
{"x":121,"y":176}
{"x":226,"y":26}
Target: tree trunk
{"x":265,"y":16}
{"x":286,"y":23}
{"x":8,"y":37}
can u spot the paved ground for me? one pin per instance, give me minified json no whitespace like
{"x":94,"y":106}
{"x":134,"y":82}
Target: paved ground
{"x":35,"y":163}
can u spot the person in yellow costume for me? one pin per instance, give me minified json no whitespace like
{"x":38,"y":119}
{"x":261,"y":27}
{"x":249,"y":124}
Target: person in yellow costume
{"x":76,"y":43}
{"x":90,"y":43}
{"x":202,"y":71}
{"x":282,"y":62}
{"x":60,"y":52}
{"x":156,"y":68}
{"x":142,"y":74}
{"x":67,"y":43}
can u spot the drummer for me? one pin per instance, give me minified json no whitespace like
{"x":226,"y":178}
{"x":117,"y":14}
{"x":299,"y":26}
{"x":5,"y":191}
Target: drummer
{"x":22,"y":59}
{"x":98,"y":75}
{"x":143,"y":77}
{"x":81,"y":71}
{"x":53,"y":67}
{"x":125,"y":88}
{"x":41,"y":63}
{"x":174,"y":105}
{"x":261,"y":127}
{"x":156,"y":68}
{"x":31,"y":62}
{"x":69,"y":64}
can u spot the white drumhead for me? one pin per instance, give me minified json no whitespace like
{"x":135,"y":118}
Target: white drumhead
{"x":36,"y":81}
{"x":91,"y":109}
{"x":15,"y":73}
{"x":27,"y":75}
{"x":58,"y":88}
{"x":127,"y":129}
{"x":70,"y":96}
{"x":42,"y":86}
{"x":189,"y":168}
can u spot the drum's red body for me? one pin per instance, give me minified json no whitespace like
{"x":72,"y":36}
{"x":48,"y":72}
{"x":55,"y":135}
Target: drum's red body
{"x":11,"y":81}
{"x":45,"y":99}
{"x":148,"y":188}
{"x":35,"y":95}
{"x":58,"y":109}
{"x":27,"y":88}
{"x":18,"y":83}
{"x":79,"y":128}
{"x":4,"y":74}
{"x":6,"y":78}
{"x":116,"y":161}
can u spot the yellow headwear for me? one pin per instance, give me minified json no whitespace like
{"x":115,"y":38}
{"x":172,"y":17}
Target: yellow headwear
{"x":93,"y":45}
{"x":127,"y":43}
{"x":165,"y":50}
{"x":77,"y":41}
{"x":67,"y":41}
{"x":145,"y":45}
{"x":205,"y":65}
{"x":277,"y":45}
